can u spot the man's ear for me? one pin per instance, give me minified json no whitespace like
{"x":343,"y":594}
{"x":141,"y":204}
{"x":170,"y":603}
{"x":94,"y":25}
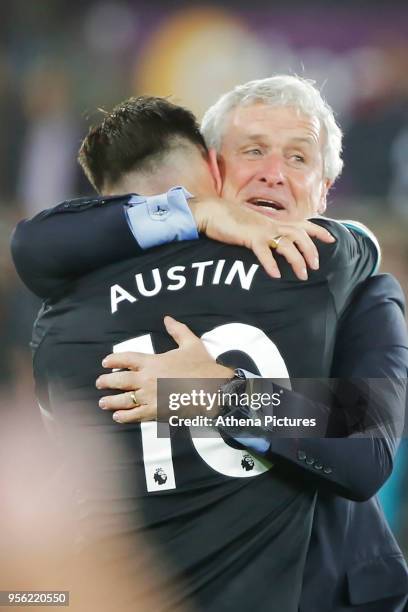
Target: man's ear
{"x":215,"y":170}
{"x":323,"y":197}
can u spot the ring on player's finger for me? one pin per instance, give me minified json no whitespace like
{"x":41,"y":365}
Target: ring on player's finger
{"x":134,"y":400}
{"x":274,"y":243}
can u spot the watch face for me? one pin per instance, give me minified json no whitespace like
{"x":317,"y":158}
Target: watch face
{"x":240,"y":374}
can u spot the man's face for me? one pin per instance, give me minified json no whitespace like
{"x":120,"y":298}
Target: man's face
{"x":271,"y":160}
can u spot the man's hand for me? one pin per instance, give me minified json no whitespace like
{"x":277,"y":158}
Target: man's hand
{"x":236,"y":224}
{"x":190,"y":360}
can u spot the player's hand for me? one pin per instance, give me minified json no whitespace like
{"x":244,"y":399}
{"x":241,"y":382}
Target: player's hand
{"x":139,"y":381}
{"x":236,"y":224}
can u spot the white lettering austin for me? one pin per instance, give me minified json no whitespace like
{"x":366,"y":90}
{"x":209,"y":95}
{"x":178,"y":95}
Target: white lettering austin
{"x":198,"y":274}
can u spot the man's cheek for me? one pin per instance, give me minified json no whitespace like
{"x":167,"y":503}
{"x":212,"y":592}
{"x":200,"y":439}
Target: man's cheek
{"x":306,"y":192}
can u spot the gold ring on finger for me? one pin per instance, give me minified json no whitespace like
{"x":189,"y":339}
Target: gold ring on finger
{"x":274,"y":243}
{"x":134,"y":400}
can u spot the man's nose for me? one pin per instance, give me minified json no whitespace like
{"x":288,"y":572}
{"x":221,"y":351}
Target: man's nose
{"x":272,"y":171}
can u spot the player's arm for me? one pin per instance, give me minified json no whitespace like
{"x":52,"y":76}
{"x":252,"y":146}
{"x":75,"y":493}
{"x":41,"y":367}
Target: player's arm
{"x":76,"y":237}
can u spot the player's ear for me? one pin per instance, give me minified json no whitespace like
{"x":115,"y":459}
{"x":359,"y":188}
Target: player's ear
{"x":323,"y":196}
{"x":215,"y":170}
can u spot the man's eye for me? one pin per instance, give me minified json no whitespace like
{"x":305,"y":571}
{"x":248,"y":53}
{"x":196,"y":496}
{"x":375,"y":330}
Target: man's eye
{"x":254,"y":152}
{"x":299,"y":158}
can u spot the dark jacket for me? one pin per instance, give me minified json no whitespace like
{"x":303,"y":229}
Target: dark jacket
{"x":353,"y":559}
{"x":353,"y":562}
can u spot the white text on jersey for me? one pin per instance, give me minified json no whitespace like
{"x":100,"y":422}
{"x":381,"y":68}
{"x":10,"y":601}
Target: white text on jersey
{"x":197,"y":274}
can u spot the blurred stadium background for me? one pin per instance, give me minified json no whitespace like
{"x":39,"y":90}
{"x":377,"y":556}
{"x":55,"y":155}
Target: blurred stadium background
{"x":60,"y":60}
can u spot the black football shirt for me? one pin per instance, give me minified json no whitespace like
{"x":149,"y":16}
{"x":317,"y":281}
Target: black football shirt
{"x":229,"y":529}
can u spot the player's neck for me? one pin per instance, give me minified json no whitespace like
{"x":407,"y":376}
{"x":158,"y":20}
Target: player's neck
{"x":197,"y":180}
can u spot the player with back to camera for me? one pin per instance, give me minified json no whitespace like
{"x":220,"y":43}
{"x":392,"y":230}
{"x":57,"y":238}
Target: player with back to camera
{"x":311,"y":441}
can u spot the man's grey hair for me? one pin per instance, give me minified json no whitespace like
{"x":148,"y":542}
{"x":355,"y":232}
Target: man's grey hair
{"x":281,"y":90}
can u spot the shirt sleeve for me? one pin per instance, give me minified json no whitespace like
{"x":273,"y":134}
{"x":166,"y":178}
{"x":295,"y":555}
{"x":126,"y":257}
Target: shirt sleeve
{"x":161,"y":219}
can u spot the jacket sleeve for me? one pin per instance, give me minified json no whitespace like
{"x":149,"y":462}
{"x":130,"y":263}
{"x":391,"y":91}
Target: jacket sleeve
{"x":353,"y":258}
{"x":78,"y":236}
{"x":370,"y":366}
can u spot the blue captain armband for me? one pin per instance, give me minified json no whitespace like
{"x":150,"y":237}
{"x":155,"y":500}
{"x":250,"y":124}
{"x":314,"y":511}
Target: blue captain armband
{"x":160,"y":219}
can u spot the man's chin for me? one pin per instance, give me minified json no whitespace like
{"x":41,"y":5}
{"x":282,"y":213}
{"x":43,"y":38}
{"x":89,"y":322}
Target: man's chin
{"x":273,"y":213}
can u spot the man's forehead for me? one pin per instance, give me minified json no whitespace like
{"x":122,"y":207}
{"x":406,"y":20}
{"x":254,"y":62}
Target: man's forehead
{"x":259,"y":120}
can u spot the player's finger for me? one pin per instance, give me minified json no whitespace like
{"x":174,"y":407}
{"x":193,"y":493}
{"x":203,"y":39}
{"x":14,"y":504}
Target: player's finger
{"x":319,"y":232}
{"x":264,"y":255}
{"x":125,"y":381}
{"x":293,"y":257}
{"x":180,"y":332}
{"x":128,"y":359}
{"x":121,"y":401}
{"x":135,"y":415}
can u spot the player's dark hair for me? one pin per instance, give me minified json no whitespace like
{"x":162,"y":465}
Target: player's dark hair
{"x":135,"y":135}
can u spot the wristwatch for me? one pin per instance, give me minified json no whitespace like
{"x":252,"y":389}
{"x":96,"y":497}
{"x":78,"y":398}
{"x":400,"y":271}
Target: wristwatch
{"x":233,"y":389}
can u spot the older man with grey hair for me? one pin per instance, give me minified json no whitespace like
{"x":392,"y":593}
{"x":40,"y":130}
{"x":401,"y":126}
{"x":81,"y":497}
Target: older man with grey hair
{"x":275,"y":147}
